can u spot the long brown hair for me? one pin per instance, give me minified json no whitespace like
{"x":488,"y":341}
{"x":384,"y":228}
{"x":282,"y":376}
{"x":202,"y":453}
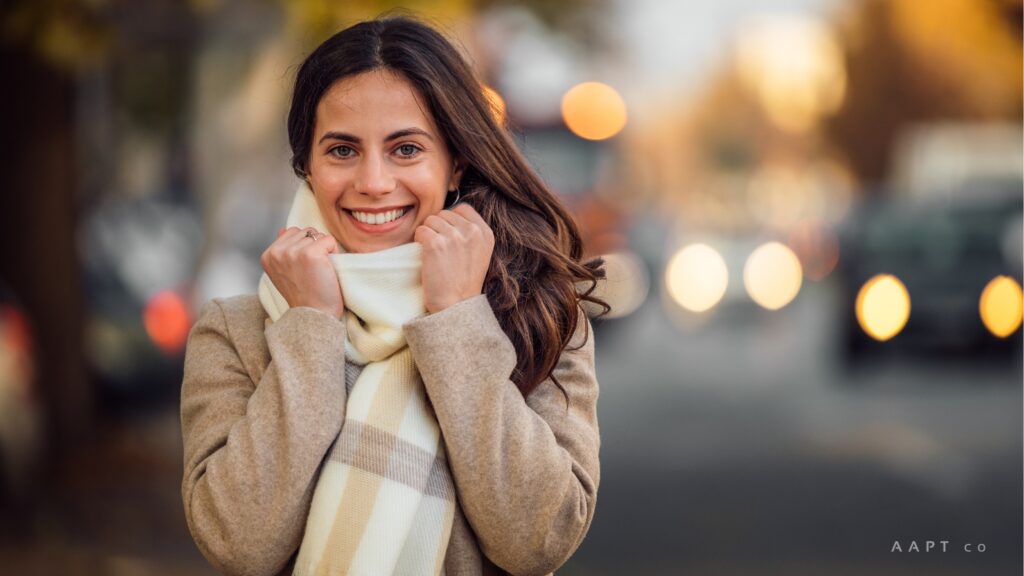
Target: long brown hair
{"x":537,"y":279}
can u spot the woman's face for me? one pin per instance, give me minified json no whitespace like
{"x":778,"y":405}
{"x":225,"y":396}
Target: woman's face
{"x":378,"y":165}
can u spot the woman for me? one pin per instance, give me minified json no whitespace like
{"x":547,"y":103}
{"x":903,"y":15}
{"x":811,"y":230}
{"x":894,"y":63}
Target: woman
{"x":412,"y":391}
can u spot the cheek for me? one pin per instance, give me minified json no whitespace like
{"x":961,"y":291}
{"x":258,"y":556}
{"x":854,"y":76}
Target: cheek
{"x":429,"y":204}
{"x":431,"y":188}
{"x":329,"y":179}
{"x":328,"y":186}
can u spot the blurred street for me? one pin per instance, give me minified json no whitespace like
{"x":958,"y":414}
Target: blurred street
{"x":712,"y":467}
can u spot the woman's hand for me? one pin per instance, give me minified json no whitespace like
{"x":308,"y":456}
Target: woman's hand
{"x":457,"y":246}
{"x":301,"y":271}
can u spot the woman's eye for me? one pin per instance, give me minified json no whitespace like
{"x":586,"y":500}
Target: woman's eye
{"x":408,"y":150}
{"x":341,"y":151}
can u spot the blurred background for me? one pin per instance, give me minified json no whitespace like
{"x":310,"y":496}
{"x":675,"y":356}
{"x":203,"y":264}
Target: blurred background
{"x":811,"y":212}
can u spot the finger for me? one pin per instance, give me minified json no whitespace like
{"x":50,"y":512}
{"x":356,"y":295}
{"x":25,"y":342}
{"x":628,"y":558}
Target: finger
{"x":469,"y":213}
{"x":285,"y":238}
{"x":313,"y":239}
{"x":456,"y":220}
{"x":475,"y":223}
{"x":298,"y":239}
{"x":291,"y":233}
{"x":327,"y":243}
{"x":424,"y":234}
{"x":439,"y":224}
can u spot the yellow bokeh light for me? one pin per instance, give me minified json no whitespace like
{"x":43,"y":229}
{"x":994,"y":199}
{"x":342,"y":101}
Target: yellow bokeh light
{"x":772,"y":275}
{"x":696,"y":277}
{"x":795,"y":67}
{"x":497,"y":104}
{"x":883,"y":307}
{"x":1000,"y":306}
{"x":594,"y":111}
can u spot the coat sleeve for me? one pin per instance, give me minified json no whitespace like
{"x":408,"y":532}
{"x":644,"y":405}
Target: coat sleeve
{"x":253,"y":449}
{"x":526,"y":470}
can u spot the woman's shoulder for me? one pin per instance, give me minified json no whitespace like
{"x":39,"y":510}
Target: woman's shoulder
{"x":236,"y":323}
{"x":238,"y":314}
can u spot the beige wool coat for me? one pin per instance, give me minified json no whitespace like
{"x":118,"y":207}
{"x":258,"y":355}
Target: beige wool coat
{"x":262,"y":402}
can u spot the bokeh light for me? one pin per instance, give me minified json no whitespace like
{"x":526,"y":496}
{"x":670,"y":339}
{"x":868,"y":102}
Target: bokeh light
{"x":594,"y":111}
{"x":167,"y":321}
{"x":772,"y":275}
{"x":883,"y":307}
{"x":17,"y":365}
{"x":795,"y":67}
{"x":1000,"y":306}
{"x":696,"y":277}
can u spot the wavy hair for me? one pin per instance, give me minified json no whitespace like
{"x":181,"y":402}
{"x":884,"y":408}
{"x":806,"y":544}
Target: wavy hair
{"x":537,"y":279}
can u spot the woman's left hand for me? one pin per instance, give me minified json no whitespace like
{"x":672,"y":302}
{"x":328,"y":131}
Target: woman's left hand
{"x":457,"y":246}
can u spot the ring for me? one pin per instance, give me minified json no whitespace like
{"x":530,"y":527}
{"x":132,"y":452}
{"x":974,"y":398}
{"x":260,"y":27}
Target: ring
{"x":311,"y":234}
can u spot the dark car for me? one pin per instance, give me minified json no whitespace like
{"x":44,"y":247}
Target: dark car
{"x":945,"y":250}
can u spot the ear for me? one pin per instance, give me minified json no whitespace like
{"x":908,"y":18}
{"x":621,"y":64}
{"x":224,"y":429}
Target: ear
{"x":458,"y":171}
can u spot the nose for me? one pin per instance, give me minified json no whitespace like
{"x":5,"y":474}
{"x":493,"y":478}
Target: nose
{"x":374,"y":177}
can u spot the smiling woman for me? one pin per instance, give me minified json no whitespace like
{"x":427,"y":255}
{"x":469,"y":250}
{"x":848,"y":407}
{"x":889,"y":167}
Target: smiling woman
{"x":380,"y":166}
{"x":412,"y":391}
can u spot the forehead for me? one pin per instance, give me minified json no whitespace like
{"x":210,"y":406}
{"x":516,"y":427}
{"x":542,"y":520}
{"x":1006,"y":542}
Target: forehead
{"x":372,"y":101}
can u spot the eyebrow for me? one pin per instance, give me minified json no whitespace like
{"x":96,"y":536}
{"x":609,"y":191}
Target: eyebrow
{"x":346,"y":137}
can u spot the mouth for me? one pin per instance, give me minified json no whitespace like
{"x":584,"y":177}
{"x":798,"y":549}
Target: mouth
{"x":376,"y":220}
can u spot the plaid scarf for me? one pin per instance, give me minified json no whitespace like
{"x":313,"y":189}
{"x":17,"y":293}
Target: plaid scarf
{"x":384,"y":501}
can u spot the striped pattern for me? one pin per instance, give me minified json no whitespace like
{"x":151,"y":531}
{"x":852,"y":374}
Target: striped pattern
{"x":384,"y":502}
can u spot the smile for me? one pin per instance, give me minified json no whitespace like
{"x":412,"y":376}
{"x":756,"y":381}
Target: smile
{"x":377,"y":221}
{"x":379,"y":217}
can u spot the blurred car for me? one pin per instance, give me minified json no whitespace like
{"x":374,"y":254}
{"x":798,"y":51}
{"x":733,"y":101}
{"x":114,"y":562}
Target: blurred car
{"x":944,"y":250}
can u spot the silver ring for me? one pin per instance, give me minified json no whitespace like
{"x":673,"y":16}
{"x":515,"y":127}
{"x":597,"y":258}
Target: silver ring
{"x":312,"y":234}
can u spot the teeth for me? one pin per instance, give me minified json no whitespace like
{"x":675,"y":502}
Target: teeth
{"x":379,"y":217}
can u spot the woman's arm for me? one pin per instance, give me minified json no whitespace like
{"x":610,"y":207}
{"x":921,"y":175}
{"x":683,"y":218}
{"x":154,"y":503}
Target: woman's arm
{"x":526,"y":471}
{"x":252,"y":450}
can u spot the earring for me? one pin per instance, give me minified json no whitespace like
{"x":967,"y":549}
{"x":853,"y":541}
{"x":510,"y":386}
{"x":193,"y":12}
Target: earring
{"x":458,"y":196}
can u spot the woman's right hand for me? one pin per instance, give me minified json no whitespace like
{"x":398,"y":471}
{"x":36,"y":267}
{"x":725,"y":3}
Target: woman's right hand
{"x":301,"y":271}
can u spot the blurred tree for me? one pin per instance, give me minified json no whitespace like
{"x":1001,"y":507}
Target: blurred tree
{"x":911,"y":61}
{"x":38,"y":255}
{"x":66,"y":33}
{"x":59,"y":56}
{"x":316,"y":20}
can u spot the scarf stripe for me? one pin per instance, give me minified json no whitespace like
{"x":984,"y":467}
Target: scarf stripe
{"x":407,"y":463}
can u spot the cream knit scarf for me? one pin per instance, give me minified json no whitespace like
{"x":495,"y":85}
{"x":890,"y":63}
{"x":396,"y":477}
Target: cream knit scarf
{"x":384,"y":500}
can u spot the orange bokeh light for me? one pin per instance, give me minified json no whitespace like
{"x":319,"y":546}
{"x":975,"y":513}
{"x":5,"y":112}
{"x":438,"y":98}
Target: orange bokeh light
{"x":167,"y":321}
{"x":594,"y":111}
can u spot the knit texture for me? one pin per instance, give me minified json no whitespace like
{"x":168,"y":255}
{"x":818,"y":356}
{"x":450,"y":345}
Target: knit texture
{"x":384,"y":502}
